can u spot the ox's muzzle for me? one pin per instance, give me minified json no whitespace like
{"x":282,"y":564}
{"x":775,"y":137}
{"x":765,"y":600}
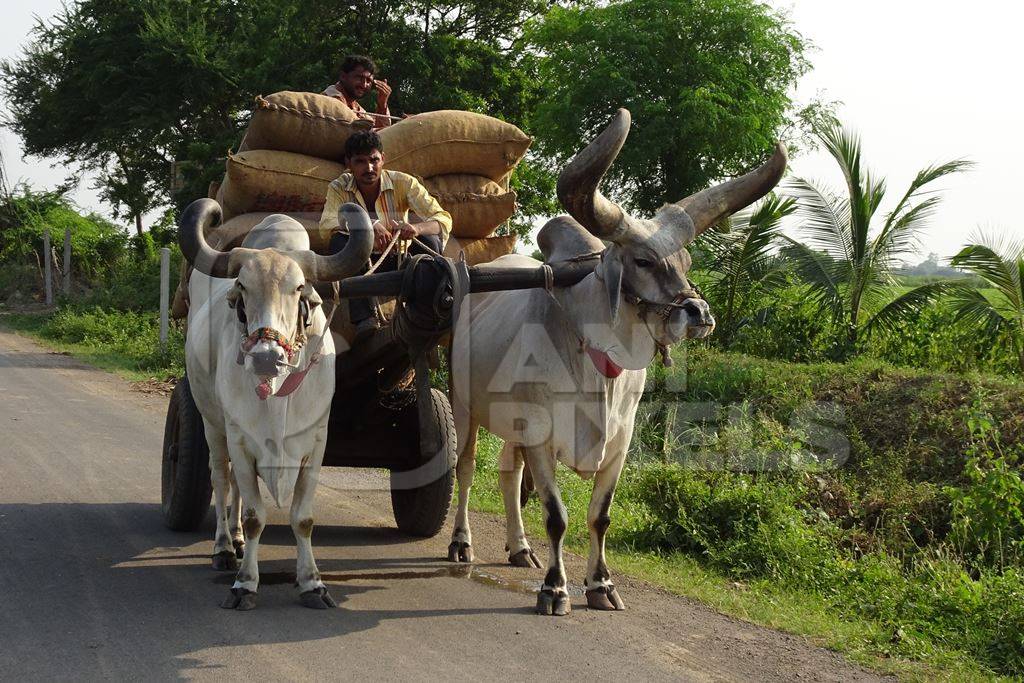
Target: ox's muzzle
{"x":691,"y":320}
{"x":269,"y":352}
{"x":268,"y":363}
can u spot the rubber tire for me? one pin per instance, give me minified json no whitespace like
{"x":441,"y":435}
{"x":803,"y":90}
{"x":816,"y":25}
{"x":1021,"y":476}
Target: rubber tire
{"x":422,"y":511}
{"x":185,"y":489}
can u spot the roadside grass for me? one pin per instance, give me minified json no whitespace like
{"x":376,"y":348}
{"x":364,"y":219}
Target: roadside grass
{"x":124,"y":342}
{"x":763,"y":602}
{"x":907,"y":558}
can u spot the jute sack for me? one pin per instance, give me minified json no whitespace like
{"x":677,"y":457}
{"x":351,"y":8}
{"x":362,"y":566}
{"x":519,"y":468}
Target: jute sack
{"x":229,"y":235}
{"x":275,"y":182}
{"x":477,"y":205}
{"x":450,"y":141}
{"x":482,"y":250}
{"x":300,"y":122}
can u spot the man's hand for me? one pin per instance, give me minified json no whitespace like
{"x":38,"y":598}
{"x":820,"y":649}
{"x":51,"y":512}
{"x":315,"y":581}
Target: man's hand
{"x":383,"y":93}
{"x":408,"y":230}
{"x":381,"y":237}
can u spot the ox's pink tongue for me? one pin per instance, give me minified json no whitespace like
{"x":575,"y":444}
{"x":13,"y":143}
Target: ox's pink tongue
{"x":603,"y":363}
{"x":263,"y":390}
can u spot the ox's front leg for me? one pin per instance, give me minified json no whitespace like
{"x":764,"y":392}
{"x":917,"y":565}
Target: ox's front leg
{"x":510,"y":473}
{"x":461,"y":547}
{"x":601,"y":593}
{"x":553,"y":598}
{"x":254,"y":518}
{"x":220,"y":477}
{"x":312,"y":591}
{"x":235,"y":521}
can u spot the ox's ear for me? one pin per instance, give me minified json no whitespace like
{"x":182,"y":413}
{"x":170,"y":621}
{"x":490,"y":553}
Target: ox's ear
{"x":234,"y":295}
{"x":611,"y":273}
{"x":311,"y":296}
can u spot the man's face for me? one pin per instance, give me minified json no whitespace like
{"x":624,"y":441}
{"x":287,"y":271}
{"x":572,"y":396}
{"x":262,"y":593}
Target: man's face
{"x":356,"y":82}
{"x":365,"y":168}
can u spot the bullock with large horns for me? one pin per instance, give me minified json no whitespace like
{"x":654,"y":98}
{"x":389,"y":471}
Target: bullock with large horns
{"x":260,"y":362}
{"x":558,"y":374}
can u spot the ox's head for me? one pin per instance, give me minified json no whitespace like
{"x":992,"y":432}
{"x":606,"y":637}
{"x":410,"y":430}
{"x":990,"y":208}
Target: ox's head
{"x":647,"y":261}
{"x":273,"y":296}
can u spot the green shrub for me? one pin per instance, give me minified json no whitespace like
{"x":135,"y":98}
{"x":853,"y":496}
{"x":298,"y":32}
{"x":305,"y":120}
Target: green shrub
{"x":125,"y":334}
{"x":988,"y":511}
{"x":748,"y":526}
{"x":97,"y":245}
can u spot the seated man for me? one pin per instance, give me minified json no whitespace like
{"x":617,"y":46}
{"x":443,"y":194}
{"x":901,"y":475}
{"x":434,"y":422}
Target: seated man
{"x":355,"y":80}
{"x":388,"y":196}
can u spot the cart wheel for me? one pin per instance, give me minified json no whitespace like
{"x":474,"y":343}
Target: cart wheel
{"x":421,"y":511}
{"x":185,"y":489}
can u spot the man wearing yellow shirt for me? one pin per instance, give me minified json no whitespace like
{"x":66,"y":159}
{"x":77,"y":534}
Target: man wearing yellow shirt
{"x":388,"y":196}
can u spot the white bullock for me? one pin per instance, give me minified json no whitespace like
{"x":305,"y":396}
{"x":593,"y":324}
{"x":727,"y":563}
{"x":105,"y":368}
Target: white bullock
{"x":260,"y":363}
{"x":559,"y":375}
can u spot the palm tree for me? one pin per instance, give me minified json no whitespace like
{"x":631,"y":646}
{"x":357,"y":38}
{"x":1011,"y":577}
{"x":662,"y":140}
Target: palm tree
{"x":1001,"y":264}
{"x":847,"y":264}
{"x":742,"y":262}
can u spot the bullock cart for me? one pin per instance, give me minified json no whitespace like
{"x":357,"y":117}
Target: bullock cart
{"x":379,"y":419}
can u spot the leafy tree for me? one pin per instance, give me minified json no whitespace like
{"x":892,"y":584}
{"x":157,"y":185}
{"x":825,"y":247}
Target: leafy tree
{"x":849,"y":267}
{"x":707,"y":82}
{"x":72,"y":91}
{"x":742,"y":263}
{"x":1000,"y":263}
{"x":123,"y":87}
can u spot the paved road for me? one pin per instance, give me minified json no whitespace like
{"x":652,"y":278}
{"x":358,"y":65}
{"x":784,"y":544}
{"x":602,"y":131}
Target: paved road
{"x":92,"y":586}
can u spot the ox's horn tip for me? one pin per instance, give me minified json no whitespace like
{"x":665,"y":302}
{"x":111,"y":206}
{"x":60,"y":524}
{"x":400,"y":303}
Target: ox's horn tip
{"x":781,"y":154}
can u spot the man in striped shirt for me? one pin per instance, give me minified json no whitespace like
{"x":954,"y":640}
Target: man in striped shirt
{"x":389,"y":197}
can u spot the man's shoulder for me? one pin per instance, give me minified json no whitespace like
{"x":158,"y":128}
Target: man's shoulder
{"x":399,"y":178}
{"x":342,"y":182}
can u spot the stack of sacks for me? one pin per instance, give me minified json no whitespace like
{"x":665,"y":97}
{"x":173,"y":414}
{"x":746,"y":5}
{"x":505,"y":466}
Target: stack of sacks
{"x":481,"y":250}
{"x":292,"y":150}
{"x":294,"y":146}
{"x":464,"y":160}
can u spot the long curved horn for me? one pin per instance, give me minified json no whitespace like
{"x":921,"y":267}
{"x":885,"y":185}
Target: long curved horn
{"x":578,"y":183}
{"x":196,"y":219}
{"x":352,"y":257}
{"x":708,"y":207}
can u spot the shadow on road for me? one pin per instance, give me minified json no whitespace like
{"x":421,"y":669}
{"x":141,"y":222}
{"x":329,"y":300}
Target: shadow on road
{"x":123,"y":594}
{"x":42,"y":360}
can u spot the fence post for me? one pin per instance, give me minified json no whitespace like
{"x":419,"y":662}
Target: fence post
{"x":165,"y":279}
{"x":67,"y":262}
{"x":47,"y":268}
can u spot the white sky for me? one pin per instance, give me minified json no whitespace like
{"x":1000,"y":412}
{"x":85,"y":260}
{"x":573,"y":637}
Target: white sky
{"x":922,"y":81}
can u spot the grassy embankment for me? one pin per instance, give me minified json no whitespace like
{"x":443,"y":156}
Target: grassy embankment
{"x":907,"y":557}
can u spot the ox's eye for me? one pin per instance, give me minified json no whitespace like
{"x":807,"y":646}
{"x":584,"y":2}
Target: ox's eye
{"x":643,"y":263}
{"x":241,"y":287}
{"x":300,"y":288}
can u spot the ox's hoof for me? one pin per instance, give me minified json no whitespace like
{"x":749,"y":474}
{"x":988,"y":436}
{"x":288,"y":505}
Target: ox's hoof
{"x":551,"y":603}
{"x":239,"y":547}
{"x":240,"y":599}
{"x":318,"y":598}
{"x":225,"y":561}
{"x":605,"y":598}
{"x":524,"y":558}
{"x":460,"y":552}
